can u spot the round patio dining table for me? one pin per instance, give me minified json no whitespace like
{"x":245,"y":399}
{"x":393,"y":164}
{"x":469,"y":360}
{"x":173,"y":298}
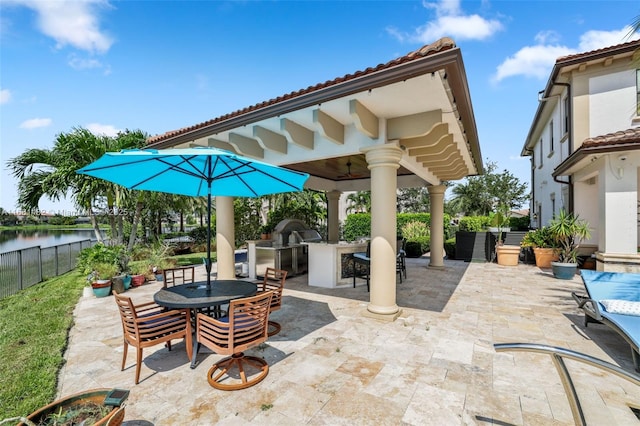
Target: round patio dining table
{"x":197,"y":295}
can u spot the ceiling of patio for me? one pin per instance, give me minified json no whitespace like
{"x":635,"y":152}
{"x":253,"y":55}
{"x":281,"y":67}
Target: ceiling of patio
{"x":419,"y":102}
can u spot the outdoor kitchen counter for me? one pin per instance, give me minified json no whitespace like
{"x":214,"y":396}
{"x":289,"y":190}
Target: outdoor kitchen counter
{"x":264,"y":254}
{"x":330,"y":265}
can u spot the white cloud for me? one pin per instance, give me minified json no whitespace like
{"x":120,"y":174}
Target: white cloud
{"x":35,"y":123}
{"x":538,"y":60}
{"x":452,"y":22}
{"x":531,"y":61}
{"x":544,"y":37}
{"x":102,"y":129}
{"x":82,"y":63}
{"x":71,"y":22}
{"x":593,"y":40}
{"x":5,"y":96}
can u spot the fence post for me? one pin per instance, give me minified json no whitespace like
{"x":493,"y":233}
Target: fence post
{"x":20,"y":269}
{"x":55,"y":256}
{"x":39,"y":263}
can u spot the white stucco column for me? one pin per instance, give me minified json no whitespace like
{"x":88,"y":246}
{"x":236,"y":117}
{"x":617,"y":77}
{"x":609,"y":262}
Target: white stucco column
{"x":225,"y":238}
{"x":436,"y":198}
{"x":383,"y":161}
{"x":618,"y":227}
{"x":333,"y":218}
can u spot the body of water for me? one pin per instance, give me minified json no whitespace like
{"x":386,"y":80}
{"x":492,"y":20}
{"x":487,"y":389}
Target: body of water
{"x":17,"y":240}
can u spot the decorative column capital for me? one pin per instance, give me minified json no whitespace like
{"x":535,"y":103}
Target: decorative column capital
{"x":333,"y":195}
{"x":387,"y":155}
{"x":436,"y":189}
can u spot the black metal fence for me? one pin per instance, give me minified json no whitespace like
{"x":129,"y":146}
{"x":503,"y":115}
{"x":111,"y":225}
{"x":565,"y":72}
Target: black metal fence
{"x":20,"y":269}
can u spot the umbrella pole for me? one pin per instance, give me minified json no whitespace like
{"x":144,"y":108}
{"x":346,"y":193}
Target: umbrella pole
{"x":208,"y":266}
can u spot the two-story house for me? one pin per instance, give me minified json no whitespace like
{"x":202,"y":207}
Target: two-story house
{"x":584,"y":145}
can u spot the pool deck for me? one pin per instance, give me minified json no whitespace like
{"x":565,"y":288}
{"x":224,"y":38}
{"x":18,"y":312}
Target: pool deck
{"x":330,"y":365}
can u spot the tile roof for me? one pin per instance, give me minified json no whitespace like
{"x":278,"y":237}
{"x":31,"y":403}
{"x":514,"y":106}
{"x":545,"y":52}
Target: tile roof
{"x":629,"y":136}
{"x":441,"y":45}
{"x":604,"y":50}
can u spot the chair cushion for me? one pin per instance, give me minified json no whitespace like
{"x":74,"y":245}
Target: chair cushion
{"x":623,"y":307}
{"x":361,"y":256}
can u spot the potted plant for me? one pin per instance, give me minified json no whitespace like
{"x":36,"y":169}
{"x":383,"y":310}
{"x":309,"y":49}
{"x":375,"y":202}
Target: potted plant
{"x":507,"y":255}
{"x":265,"y":232}
{"x":138,"y":272}
{"x":543,"y":244}
{"x":95,"y":407}
{"x":568,"y":231}
{"x":100,"y":278}
{"x":159,"y":259}
{"x":122,"y":280}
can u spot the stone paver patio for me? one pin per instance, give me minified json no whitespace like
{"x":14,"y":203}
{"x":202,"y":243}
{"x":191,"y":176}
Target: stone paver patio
{"x":330,"y":365}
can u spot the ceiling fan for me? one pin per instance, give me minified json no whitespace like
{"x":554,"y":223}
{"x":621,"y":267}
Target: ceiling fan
{"x":349,"y":175}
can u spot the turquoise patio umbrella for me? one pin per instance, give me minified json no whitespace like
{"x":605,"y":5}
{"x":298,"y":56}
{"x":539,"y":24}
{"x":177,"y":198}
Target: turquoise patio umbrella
{"x":196,"y":172}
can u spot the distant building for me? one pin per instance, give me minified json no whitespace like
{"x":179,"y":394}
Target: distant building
{"x":584,"y":145}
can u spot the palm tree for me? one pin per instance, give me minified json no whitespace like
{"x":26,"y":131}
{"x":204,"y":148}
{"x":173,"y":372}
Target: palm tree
{"x":359,"y":202}
{"x":52,"y":172}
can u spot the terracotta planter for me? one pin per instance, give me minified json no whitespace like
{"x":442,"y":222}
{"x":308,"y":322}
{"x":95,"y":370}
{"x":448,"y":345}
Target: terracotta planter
{"x":138,"y":280}
{"x":97,"y":396}
{"x":544,"y":256}
{"x":508,"y":255}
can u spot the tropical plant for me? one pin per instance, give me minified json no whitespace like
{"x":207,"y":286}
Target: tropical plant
{"x":568,"y":231}
{"x":359,"y":202}
{"x":99,"y":254}
{"x":102,"y":271}
{"x":52,"y":173}
{"x":413,"y":231}
{"x":540,"y":238}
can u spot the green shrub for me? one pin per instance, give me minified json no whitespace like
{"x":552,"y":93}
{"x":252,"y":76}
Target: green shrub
{"x":404,"y":218}
{"x":541,"y":237}
{"x":519,"y":223}
{"x":425,"y":243}
{"x":199,"y":235}
{"x":357,"y":225}
{"x":99,"y":253}
{"x":413,"y":230}
{"x":413,"y":249}
{"x":450,"y":248}
{"x":474,"y":223}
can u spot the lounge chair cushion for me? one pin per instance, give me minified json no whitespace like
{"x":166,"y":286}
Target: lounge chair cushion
{"x":623,"y":307}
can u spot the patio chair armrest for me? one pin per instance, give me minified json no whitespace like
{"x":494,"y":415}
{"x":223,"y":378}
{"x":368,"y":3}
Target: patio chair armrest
{"x":590,"y":306}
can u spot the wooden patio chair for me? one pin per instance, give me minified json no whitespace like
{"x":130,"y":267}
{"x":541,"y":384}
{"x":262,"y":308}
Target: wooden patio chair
{"x":177,"y":276}
{"x":148,"y":324}
{"x":246,"y":326}
{"x":401,"y":254}
{"x":273,"y":281}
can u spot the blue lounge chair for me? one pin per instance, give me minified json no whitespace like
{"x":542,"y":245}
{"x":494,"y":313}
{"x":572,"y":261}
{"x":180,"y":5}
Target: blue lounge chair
{"x":604,"y":291}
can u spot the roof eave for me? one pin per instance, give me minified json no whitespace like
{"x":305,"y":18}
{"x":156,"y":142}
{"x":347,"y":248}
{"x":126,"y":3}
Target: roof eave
{"x":450,"y":60}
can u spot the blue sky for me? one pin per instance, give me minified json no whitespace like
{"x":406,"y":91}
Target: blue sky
{"x":164,"y":65}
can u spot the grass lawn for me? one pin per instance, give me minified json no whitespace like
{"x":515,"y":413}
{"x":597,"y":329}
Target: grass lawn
{"x":34,"y":326}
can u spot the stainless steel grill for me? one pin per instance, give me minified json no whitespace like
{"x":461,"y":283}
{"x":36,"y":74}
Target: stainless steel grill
{"x":286,"y":250}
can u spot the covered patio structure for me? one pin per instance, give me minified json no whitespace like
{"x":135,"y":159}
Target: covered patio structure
{"x":406,"y":123}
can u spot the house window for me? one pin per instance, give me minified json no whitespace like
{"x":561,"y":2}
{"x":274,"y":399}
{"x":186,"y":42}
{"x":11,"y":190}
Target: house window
{"x":541,"y":152}
{"x":566,"y":115}
{"x":551,"y":137}
{"x":553,"y":205}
